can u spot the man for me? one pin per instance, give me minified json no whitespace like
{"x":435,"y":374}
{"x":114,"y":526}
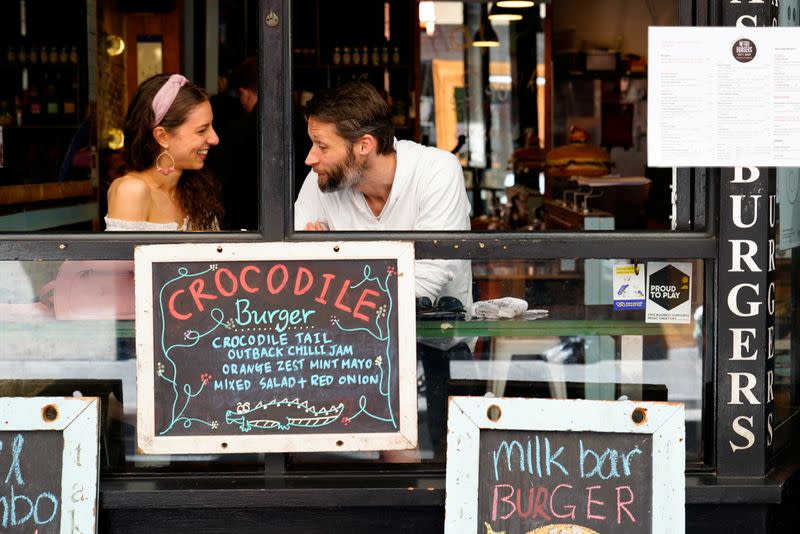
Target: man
{"x":362,"y":178}
{"x":235,"y":161}
{"x":246,"y":84}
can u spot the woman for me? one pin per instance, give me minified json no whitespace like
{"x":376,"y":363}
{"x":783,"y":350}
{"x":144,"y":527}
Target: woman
{"x":168,"y":133}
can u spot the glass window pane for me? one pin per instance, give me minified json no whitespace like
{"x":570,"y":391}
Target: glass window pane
{"x":69,"y":72}
{"x":784,"y":382}
{"x":560,"y":337}
{"x":67,"y":327}
{"x":541,"y":149}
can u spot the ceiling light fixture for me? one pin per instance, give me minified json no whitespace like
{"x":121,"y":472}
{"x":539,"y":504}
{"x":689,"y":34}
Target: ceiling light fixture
{"x":514,"y":4}
{"x":498,"y":13}
{"x":485,"y":37}
{"x":427,"y":17}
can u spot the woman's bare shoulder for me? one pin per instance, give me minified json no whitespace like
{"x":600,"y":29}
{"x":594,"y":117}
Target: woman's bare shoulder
{"x":129,"y":198}
{"x":129,"y":184}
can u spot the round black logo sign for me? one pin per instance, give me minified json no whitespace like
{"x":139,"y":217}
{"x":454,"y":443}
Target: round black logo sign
{"x":744,"y":50}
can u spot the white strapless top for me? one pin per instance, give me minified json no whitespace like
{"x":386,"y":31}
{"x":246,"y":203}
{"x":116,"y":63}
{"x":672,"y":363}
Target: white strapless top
{"x":119,"y":225}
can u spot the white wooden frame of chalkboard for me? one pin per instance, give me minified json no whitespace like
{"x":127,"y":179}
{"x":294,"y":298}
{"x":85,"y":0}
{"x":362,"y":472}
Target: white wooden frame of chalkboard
{"x":467,"y":416}
{"x":404,"y":438}
{"x":78,"y":419}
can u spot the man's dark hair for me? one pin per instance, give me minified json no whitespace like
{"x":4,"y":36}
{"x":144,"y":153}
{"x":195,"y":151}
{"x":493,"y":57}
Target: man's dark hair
{"x":355,"y":109}
{"x":246,"y":75}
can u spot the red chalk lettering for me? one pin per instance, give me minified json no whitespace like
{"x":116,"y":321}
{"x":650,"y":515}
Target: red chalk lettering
{"x":520,"y":511}
{"x":590,"y":501}
{"x":362,"y":301}
{"x":171,"y":307}
{"x":196,"y":289}
{"x":218,"y":280}
{"x":321,"y":298}
{"x":538,"y":507}
{"x":270,"y":278}
{"x":342,"y":293}
{"x":242,"y":280}
{"x":621,"y":504}
{"x":570,"y":507}
{"x":506,"y":499}
{"x":302,"y":271}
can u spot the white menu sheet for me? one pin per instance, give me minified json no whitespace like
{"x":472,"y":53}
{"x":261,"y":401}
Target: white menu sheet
{"x":723,"y":97}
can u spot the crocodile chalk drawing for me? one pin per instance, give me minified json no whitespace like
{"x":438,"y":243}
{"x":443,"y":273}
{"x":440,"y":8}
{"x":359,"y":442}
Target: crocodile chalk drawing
{"x":282,"y":414}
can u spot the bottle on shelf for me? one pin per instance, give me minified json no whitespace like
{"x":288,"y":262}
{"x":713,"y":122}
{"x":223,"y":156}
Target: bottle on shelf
{"x":69,"y":107}
{"x":399,"y":113}
{"x":53,"y":55}
{"x":44,"y":55}
{"x":34,"y":105}
{"x":376,"y":57}
{"x":32,"y":56}
{"x":51,"y":106}
{"x":11,"y":54}
{"x":365,"y":55}
{"x":63,"y":56}
{"x":385,"y":55}
{"x":18,"y":110}
{"x":337,"y":56}
{"x":356,"y":55}
{"x":6,"y":119}
{"x":22,"y":55}
{"x":73,"y":55}
{"x":396,"y":55}
{"x":24,"y":114}
{"x":346,"y":58}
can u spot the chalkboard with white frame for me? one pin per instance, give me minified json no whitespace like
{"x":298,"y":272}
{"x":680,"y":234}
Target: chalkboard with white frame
{"x":275,"y":347}
{"x":49,"y":464}
{"x":547,"y":465}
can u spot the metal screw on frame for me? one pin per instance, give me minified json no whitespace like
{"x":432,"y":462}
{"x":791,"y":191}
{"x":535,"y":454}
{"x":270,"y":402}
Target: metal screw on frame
{"x":272,"y":19}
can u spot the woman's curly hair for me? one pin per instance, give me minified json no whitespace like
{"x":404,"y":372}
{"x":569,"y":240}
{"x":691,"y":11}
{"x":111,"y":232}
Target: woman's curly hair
{"x":198,"y":191}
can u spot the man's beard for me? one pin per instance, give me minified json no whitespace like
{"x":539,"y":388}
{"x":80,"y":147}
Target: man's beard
{"x":346,"y":174}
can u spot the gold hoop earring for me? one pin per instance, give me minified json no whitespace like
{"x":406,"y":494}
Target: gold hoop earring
{"x":165,"y":170}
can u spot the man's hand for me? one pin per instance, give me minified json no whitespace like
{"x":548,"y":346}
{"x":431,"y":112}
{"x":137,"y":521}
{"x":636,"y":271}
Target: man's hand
{"x":318,"y":226}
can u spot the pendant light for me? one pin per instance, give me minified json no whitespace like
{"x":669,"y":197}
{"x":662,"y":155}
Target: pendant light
{"x":514,"y":4}
{"x":497,"y":13}
{"x":485,"y":37}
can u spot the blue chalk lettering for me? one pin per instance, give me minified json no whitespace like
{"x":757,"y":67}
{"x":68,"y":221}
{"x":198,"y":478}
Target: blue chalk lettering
{"x":508,"y":451}
{"x":16,"y":452}
{"x":548,"y":459}
{"x":610,"y":455}
{"x":52,"y":499}
{"x":626,"y":461}
{"x":14,"y":498}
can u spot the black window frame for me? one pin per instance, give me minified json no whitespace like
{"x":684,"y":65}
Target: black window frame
{"x":696,"y":191}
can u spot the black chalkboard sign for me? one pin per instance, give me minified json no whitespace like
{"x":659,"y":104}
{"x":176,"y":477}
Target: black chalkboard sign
{"x":279,"y":347}
{"x":600,"y":481}
{"x":30,"y":467}
{"x":542,"y":465}
{"x":48,"y":464}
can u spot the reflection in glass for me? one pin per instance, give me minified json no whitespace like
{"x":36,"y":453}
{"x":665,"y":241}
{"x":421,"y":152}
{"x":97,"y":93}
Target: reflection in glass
{"x":68,"y":327}
{"x":553,"y":333}
{"x":114,"y":45}
{"x":494,"y":107}
{"x":784,"y":381}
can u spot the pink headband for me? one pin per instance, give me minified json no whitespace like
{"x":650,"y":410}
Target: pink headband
{"x":166,"y":96}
